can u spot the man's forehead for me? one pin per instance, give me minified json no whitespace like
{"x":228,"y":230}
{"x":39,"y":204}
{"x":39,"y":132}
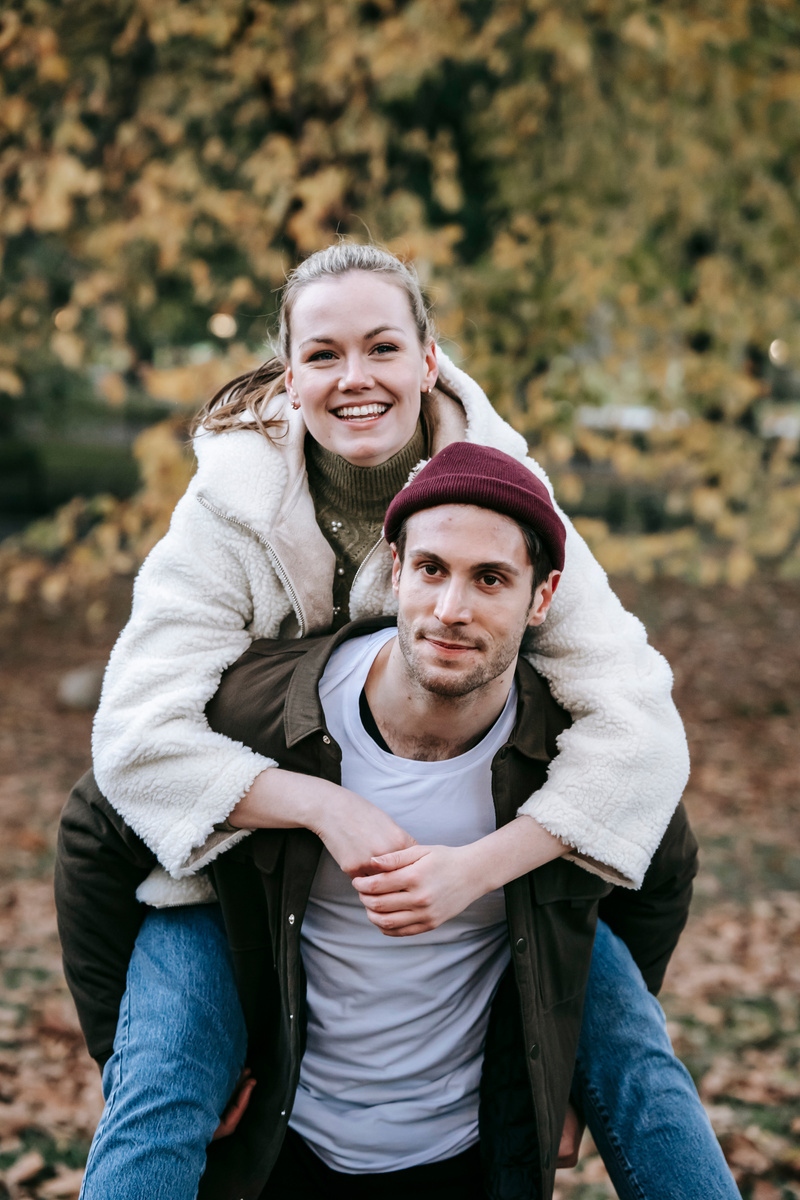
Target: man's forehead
{"x":467,"y":532}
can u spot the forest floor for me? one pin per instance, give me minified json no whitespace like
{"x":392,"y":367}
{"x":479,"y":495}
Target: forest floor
{"x":732,"y":994}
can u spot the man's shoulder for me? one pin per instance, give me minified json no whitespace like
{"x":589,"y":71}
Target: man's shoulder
{"x":540,"y":717}
{"x":250,"y":704}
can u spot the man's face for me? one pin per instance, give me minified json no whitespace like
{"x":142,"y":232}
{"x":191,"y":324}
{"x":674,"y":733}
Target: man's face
{"x":464,"y":595}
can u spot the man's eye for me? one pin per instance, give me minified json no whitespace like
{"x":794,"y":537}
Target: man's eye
{"x":491,"y":580}
{"x":430,"y":569}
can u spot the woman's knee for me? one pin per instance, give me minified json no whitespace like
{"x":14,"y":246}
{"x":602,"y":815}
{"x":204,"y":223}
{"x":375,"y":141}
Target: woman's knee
{"x":181,"y":1011}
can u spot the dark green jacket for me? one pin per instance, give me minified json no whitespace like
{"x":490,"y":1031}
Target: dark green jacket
{"x":269,"y":699}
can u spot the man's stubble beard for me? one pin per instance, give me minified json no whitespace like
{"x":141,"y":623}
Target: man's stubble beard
{"x":438,"y":681}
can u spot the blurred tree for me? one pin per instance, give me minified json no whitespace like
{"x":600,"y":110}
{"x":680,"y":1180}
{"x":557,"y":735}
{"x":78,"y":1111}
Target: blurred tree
{"x":602,"y":197}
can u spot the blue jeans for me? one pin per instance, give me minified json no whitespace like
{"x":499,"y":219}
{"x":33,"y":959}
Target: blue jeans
{"x":179,"y":1048}
{"x":638,"y":1099}
{"x":181,"y":1043}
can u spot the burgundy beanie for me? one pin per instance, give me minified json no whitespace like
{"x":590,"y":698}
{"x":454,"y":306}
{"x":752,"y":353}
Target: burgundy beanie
{"x":464,"y":473}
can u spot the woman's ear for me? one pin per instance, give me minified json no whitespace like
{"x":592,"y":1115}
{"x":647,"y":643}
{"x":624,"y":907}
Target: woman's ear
{"x":431,"y":368}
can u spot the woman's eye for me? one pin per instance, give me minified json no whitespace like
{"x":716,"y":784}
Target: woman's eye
{"x":384,"y":348}
{"x":321,"y":356}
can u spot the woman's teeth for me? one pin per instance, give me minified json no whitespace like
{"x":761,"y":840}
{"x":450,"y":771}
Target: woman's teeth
{"x":360,"y":412}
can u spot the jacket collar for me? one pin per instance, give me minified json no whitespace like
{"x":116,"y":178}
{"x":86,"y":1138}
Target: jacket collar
{"x":303,"y":715}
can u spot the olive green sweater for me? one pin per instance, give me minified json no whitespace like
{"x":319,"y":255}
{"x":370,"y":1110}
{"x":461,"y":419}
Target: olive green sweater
{"x":350,"y":503}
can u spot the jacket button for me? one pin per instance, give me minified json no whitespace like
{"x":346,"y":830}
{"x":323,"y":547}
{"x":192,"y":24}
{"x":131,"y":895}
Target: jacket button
{"x":521,"y":945}
{"x":291,"y":922}
{"x":326,"y":739}
{"x":533,"y":1052}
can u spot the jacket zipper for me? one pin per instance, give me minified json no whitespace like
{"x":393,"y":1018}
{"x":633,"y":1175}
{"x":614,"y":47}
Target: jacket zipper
{"x":364,"y":562}
{"x":278,"y":566}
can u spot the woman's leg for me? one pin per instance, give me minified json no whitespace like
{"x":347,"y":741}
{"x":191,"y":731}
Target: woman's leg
{"x":638,"y":1099}
{"x":179,"y":1049}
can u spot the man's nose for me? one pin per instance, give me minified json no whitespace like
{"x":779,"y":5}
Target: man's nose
{"x":355,"y":375}
{"x":452,"y":604}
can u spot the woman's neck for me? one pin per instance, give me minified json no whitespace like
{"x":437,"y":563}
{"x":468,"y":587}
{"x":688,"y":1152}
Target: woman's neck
{"x":362,"y":492}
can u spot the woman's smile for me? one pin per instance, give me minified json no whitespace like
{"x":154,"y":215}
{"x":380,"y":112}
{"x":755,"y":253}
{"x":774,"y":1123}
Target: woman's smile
{"x":360,"y":412}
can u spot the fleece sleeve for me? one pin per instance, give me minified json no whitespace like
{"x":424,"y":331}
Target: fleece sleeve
{"x":162,"y":768}
{"x":624,"y":762}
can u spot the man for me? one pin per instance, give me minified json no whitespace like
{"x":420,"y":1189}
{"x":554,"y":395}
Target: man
{"x":416,"y":1030}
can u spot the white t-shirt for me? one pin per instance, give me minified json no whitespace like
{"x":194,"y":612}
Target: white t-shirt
{"x":397,"y":1026}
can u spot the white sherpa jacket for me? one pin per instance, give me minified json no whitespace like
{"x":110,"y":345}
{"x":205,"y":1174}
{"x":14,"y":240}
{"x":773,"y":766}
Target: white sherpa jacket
{"x":244,"y":558}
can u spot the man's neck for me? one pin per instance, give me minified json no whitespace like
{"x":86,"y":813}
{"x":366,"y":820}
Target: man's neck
{"x":422,"y":725}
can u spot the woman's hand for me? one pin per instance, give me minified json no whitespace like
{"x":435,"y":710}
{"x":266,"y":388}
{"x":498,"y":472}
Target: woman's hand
{"x":352,"y":829}
{"x":419,"y":888}
{"x":355,"y":831}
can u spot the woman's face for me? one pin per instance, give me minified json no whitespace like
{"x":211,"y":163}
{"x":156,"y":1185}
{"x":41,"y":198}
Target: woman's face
{"x":357,"y":367}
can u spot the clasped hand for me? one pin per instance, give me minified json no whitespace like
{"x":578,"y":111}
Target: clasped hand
{"x":418,"y":888}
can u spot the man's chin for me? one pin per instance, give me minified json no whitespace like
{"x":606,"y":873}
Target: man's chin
{"x":449,"y":683}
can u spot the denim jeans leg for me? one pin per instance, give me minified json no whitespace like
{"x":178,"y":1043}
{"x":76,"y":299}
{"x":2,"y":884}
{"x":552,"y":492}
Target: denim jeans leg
{"x":638,"y":1099}
{"x":178,"y":1051}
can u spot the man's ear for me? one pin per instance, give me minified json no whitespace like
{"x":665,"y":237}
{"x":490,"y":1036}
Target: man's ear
{"x":396,"y":567}
{"x":542,"y":598}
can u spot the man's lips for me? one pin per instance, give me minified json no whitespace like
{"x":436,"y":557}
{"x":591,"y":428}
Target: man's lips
{"x":448,"y":647}
{"x":361,"y":412}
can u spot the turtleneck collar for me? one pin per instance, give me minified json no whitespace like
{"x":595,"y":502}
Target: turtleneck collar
{"x":363,"y":492}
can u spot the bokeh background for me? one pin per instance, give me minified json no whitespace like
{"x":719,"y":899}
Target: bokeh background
{"x":603,"y":201}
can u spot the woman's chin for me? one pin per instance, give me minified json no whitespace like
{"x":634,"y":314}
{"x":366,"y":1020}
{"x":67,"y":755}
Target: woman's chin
{"x":368,"y":445}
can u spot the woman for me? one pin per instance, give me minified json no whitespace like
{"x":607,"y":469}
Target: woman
{"x":280,"y":533}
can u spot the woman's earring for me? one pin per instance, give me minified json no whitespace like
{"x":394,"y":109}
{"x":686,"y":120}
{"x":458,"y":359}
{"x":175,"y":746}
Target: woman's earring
{"x":295,"y":404}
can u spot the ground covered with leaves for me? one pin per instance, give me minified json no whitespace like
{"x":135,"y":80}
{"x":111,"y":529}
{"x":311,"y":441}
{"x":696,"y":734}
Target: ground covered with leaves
{"x":733,"y":990}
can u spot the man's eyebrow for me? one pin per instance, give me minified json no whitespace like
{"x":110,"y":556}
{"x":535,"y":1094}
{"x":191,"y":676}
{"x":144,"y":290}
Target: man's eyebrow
{"x":329,"y":341}
{"x":499,"y":568}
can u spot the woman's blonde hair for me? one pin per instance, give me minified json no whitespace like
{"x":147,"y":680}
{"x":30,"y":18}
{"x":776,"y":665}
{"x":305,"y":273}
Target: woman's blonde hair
{"x":244,"y":399}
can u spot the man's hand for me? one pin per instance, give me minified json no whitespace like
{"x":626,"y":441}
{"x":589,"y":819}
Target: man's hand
{"x":570,"y":1142}
{"x":419,"y":888}
{"x":234,"y":1109}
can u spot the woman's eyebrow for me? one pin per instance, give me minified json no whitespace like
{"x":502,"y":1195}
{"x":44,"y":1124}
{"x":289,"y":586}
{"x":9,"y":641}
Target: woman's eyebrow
{"x":381,"y":329}
{"x":329,"y":341}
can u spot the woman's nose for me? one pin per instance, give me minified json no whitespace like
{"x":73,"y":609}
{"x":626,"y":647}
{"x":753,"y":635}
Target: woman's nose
{"x":355,"y":375}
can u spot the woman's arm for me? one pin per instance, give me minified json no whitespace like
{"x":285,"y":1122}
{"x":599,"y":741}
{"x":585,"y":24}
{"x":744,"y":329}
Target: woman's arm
{"x":155,"y":757}
{"x":624,"y":762}
{"x":352,"y":829}
{"x":420,"y":888}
